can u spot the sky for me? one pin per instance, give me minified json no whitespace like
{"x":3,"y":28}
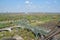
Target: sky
{"x":29,"y":5}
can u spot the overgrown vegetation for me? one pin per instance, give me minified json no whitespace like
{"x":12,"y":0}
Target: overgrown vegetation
{"x":7,"y":20}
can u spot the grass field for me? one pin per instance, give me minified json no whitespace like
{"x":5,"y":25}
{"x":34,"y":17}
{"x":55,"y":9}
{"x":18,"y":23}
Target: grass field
{"x":7,"y":20}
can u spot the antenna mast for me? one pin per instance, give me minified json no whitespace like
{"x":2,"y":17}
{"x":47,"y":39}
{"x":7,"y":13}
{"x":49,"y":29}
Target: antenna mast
{"x":27,"y":5}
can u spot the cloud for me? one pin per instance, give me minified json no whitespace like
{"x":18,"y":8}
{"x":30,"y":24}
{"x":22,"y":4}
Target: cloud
{"x":27,"y":2}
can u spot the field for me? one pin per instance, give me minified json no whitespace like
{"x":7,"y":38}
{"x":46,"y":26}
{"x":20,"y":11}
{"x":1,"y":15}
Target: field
{"x":33,"y":20}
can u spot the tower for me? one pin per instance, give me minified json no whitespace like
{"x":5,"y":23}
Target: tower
{"x":27,"y":5}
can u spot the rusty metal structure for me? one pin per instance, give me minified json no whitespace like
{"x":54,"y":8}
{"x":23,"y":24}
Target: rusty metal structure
{"x":55,"y":31}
